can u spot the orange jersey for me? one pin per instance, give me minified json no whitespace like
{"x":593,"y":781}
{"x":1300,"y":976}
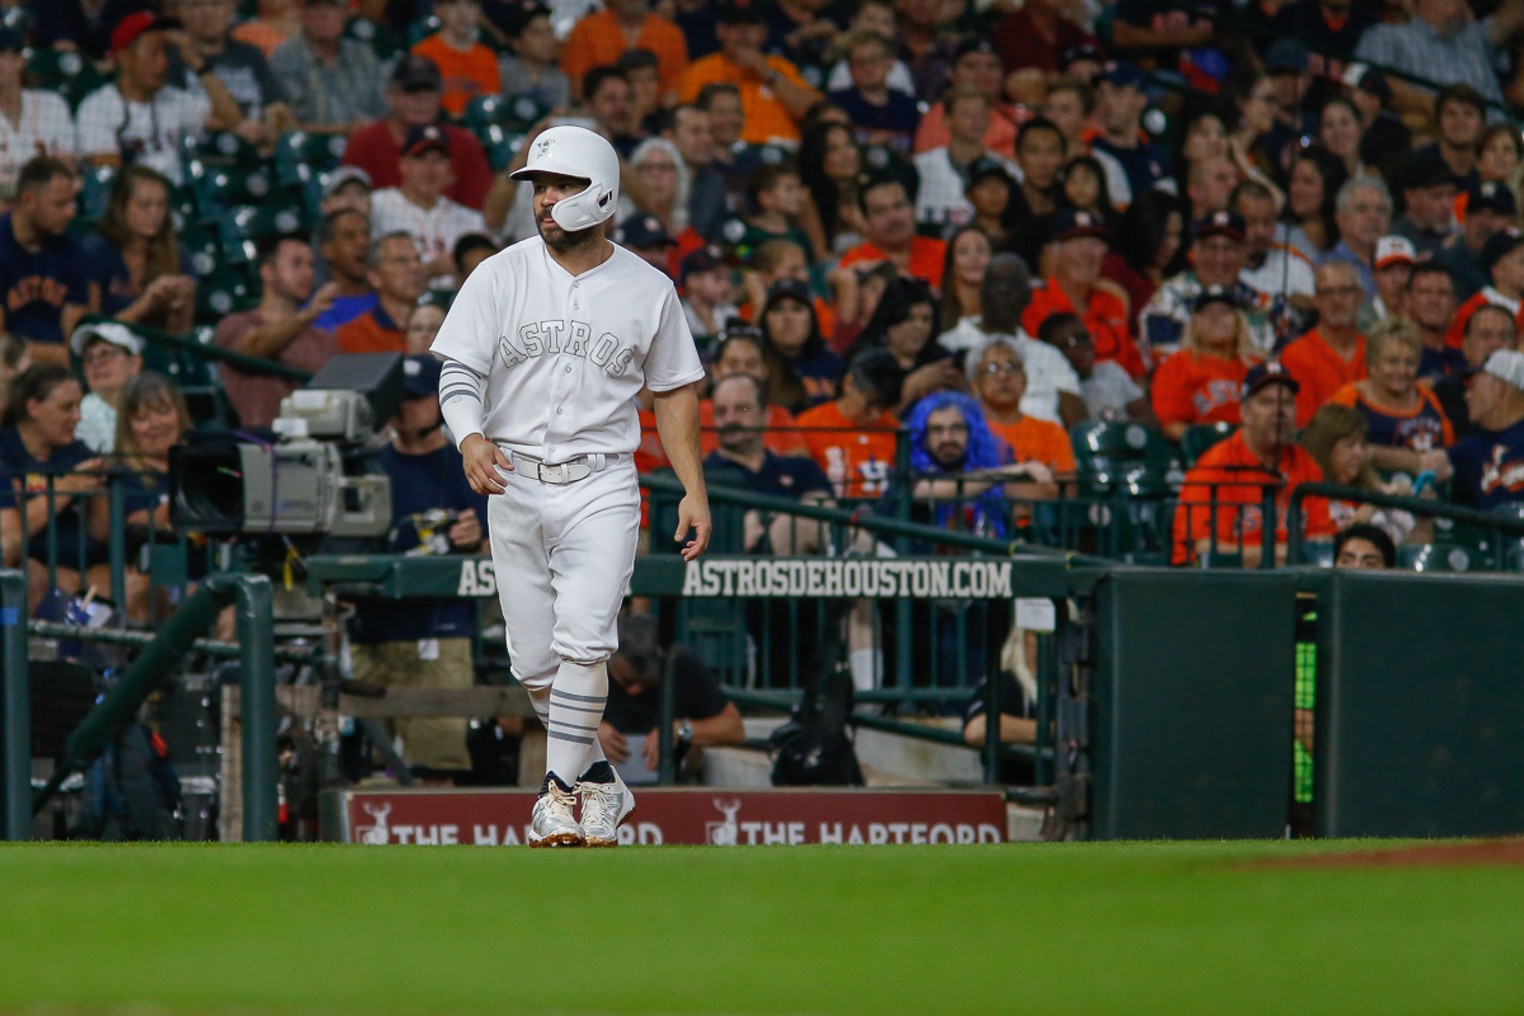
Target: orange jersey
{"x":1034,"y":440}
{"x":368,"y":334}
{"x":858,"y":460}
{"x":1225,"y":494}
{"x":598,"y":41}
{"x":927,"y":255}
{"x":1192,"y":387}
{"x":466,"y":74}
{"x":1104,"y":314}
{"x":1457,"y":331}
{"x":1320,"y":371}
{"x":780,"y":437}
{"x":767,"y":119}
{"x":999,"y":137}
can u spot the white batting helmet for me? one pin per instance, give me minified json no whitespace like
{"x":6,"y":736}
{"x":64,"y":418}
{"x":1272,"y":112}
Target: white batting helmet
{"x":577,"y":152}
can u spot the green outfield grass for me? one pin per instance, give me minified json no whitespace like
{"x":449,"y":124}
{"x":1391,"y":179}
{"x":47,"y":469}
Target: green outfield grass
{"x":1075,"y":928}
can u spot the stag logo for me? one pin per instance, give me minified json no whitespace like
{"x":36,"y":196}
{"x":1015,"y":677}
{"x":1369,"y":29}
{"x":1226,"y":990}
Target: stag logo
{"x":380,"y":833}
{"x":726,"y":833}
{"x":544,"y":147}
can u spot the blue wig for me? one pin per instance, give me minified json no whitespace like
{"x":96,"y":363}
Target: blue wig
{"x":985,"y":451}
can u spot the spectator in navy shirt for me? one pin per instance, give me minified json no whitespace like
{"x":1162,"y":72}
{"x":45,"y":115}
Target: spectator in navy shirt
{"x":44,"y":279}
{"x":46,"y":472}
{"x":801,"y":371}
{"x":1489,"y":466}
{"x":879,"y":114}
{"x":423,"y":643}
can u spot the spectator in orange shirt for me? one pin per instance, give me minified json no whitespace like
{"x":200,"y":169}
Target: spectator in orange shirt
{"x":1333,"y":354}
{"x":467,"y":67}
{"x":1078,"y":241}
{"x":1408,"y":428}
{"x":975,"y":65}
{"x":1201,"y":382}
{"x":599,"y":40}
{"x":774,"y":98}
{"x":396,"y":274}
{"x":1000,"y":380}
{"x":854,"y":438}
{"x":889,"y":233}
{"x":1222,"y":501}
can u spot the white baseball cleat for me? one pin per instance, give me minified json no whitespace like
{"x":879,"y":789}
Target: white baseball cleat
{"x":606,"y":802}
{"x":554,"y":822}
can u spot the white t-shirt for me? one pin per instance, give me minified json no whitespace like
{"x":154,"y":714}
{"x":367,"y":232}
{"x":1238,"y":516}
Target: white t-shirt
{"x":1048,"y":371}
{"x":434,"y":230}
{"x":142,"y":132}
{"x":564,"y":356}
{"x":1284,"y":273}
{"x":45,"y":127}
{"x":940,"y":199}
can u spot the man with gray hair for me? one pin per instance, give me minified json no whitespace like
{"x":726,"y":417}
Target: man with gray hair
{"x":396,"y":274}
{"x":1489,"y":466}
{"x":1053,"y":389}
{"x":1363,"y":211}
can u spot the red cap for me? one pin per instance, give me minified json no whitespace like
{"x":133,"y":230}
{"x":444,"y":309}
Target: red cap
{"x":131,"y":27}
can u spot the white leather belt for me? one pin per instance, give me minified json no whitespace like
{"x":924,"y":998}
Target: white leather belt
{"x":569,"y":471}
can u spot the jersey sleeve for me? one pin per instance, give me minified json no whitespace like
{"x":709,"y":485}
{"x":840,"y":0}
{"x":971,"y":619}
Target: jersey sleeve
{"x":673,"y":360}
{"x":1171,"y":398}
{"x":472,"y":324}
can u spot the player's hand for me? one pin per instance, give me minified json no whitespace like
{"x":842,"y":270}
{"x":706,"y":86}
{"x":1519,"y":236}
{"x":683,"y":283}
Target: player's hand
{"x":467,"y":531}
{"x":614,"y":745}
{"x":693,"y":513}
{"x":482,"y":461}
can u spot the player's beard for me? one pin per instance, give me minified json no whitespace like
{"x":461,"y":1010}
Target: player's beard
{"x":564,"y":241}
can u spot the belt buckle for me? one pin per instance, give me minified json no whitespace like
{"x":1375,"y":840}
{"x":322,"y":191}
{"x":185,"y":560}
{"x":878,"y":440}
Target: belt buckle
{"x":550,"y":473}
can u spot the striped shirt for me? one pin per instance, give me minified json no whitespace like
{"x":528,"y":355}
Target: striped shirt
{"x":1464,"y":57}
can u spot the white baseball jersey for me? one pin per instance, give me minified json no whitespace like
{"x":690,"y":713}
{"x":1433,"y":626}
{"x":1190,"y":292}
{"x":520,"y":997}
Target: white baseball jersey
{"x":564,"y":356}
{"x":434,"y":230}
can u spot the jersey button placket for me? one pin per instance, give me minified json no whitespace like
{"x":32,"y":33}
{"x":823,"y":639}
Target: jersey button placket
{"x":561,"y":383}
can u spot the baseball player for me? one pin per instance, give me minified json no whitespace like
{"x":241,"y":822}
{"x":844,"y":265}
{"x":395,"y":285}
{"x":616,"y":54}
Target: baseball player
{"x":544,"y":351}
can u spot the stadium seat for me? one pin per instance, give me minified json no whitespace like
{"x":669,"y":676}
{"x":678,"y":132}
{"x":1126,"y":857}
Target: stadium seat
{"x":514,"y":113}
{"x":421,"y":28}
{"x":1201,"y":436}
{"x":1318,"y":552}
{"x":299,"y":156}
{"x":383,"y":42}
{"x":222,"y":148}
{"x":94,"y":191}
{"x":69,"y":74}
{"x":1124,"y":457}
{"x":225,"y":290}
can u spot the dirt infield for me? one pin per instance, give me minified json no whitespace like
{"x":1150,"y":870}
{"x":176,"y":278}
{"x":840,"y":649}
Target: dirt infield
{"x":1505,"y":853}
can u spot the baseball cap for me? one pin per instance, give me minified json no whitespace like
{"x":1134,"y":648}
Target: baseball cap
{"x":789,"y":289}
{"x":342,"y":175}
{"x":738,"y":12}
{"x":429,"y":137}
{"x":1078,"y":54}
{"x":705,"y":259}
{"x":420,"y":376}
{"x":1425,"y":169}
{"x":641,"y":230}
{"x":1368,"y":79}
{"x":117,"y":335}
{"x":1493,"y":196}
{"x":1394,"y":250}
{"x":1121,"y":73}
{"x":973,"y":44}
{"x":1219,"y":294}
{"x":1499,"y":246}
{"x":1270,"y":372}
{"x":1069,"y":223}
{"x":414,"y":73}
{"x":1223,"y":222}
{"x":985,"y":167}
{"x":1286,"y":56}
{"x":133,"y":26}
{"x":1506,"y":365}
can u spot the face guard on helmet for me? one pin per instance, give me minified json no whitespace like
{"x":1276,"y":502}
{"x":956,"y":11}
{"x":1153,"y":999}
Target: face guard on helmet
{"x":583,"y":154}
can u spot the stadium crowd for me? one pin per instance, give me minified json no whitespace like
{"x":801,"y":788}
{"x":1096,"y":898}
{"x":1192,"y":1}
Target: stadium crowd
{"x":1282,"y":236}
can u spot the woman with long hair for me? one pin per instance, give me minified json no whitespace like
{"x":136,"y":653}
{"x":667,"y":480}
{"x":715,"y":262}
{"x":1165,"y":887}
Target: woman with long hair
{"x":1255,"y":106}
{"x":1500,"y":160}
{"x":153,"y":419}
{"x":829,"y":164}
{"x":1150,"y":245}
{"x":48,"y":471}
{"x":903,"y":324}
{"x":144,"y":274}
{"x":1308,"y":224}
{"x":1082,"y":186}
{"x":1407,"y":428}
{"x":1203,"y":380}
{"x":1339,"y":130}
{"x":968,"y":254}
{"x":1336,"y":440}
{"x":801,"y":371}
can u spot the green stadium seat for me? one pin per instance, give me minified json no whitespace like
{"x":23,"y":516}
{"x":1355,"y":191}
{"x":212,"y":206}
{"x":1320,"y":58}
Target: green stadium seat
{"x":1124,"y":457}
{"x":516,"y":113}
{"x":94,"y":192}
{"x":422,"y":28}
{"x":224,"y":291}
{"x":501,"y":146}
{"x":69,"y":74}
{"x":383,"y":42}
{"x":223,"y":148}
{"x":1201,"y":436}
{"x":299,"y":156}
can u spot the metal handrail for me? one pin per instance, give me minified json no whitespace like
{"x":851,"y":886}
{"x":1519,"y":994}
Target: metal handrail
{"x":1496,"y":524}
